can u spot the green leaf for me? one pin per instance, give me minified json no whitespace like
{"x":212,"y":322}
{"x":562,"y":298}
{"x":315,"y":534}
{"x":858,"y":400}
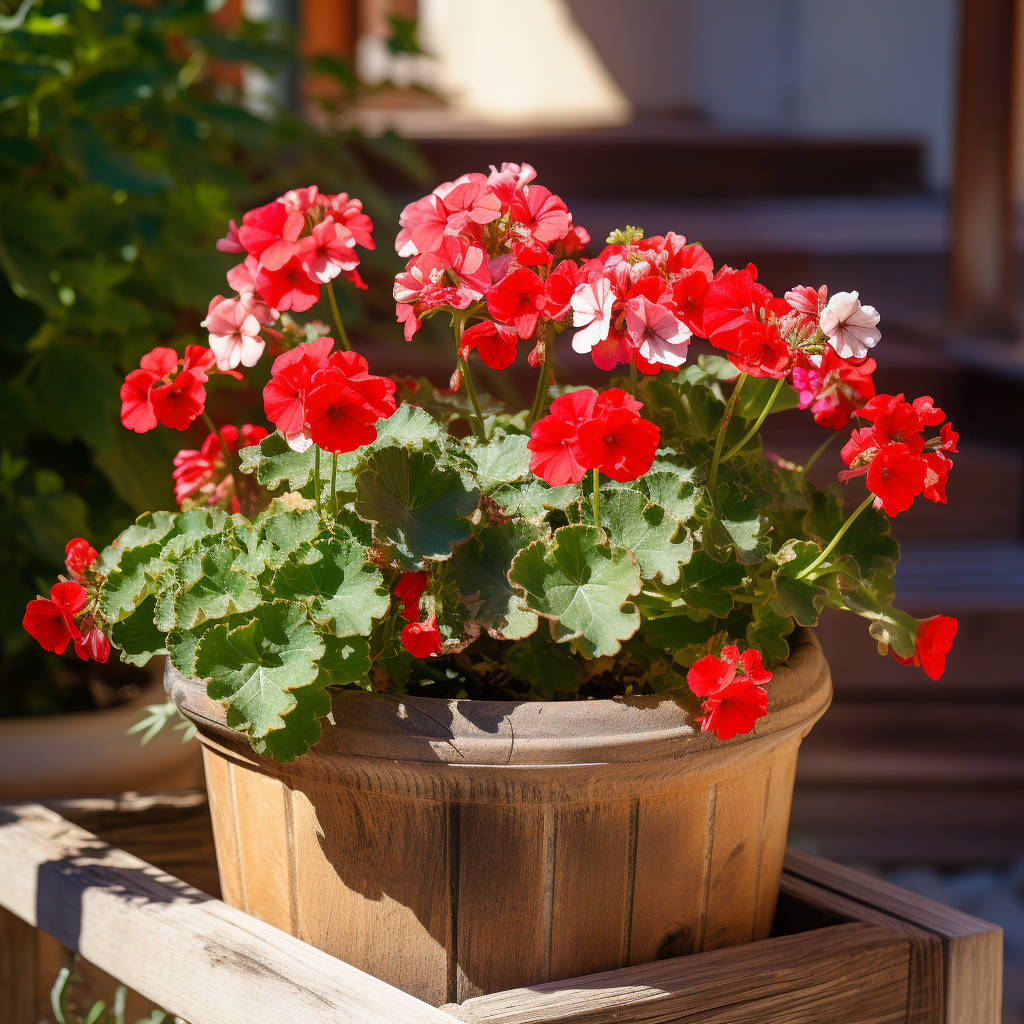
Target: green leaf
{"x":736,"y":523}
{"x":274,"y":463}
{"x":868,"y":541}
{"x":221,"y":589}
{"x":191,"y":529}
{"x":706,"y":583}
{"x":647,"y":530}
{"x":415,"y":505}
{"x":580,"y":581}
{"x":675,"y":492}
{"x":889,"y":626}
{"x":285,"y":530}
{"x":546,"y":667}
{"x":756,"y":393}
{"x":263,"y":665}
{"x":480,"y":570}
{"x":503,"y":460}
{"x":534,"y":499}
{"x":407,"y":426}
{"x":148,"y":528}
{"x":346,"y":660}
{"x":130,"y":582}
{"x":137,"y":637}
{"x":801,"y":599}
{"x":767,"y":632}
{"x":342,"y":592}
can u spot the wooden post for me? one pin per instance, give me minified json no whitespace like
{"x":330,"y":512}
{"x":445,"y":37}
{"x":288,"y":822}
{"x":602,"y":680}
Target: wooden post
{"x":982,"y":259}
{"x":17,"y":970}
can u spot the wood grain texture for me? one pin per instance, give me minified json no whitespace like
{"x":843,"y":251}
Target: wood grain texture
{"x":971,"y":949}
{"x":364,"y":890}
{"x":460,"y":847}
{"x":847,"y":974}
{"x":18,"y":970}
{"x":189,"y":953}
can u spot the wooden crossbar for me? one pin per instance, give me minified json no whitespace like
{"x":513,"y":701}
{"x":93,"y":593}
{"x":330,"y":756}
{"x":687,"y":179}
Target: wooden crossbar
{"x":849,"y":948}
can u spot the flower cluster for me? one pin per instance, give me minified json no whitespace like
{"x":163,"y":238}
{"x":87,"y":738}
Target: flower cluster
{"x":899,"y":463}
{"x":69,"y":615}
{"x":202,"y":476}
{"x":732,"y":688}
{"x":585,"y":431}
{"x":494,"y":245}
{"x":640,"y":301}
{"x":324,"y":398}
{"x":293,"y":246}
{"x":635,"y":533}
{"x":166,"y":389}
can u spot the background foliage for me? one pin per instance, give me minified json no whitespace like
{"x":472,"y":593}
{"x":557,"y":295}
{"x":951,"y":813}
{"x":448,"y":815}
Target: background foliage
{"x":122,"y":133}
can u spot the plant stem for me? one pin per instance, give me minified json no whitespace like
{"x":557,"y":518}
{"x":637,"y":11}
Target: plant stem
{"x":336,"y":316}
{"x":634,"y":377}
{"x":830,"y":547}
{"x":544,"y":381}
{"x":316,"y":481}
{"x":818,"y":452}
{"x":477,"y":420}
{"x":596,"y":497}
{"x":334,"y":483}
{"x":760,"y":419}
{"x":230,"y":462}
{"x":730,"y":407}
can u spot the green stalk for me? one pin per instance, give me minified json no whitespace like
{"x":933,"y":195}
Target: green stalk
{"x":477,"y":420}
{"x":543,"y":382}
{"x":596,"y":497}
{"x":730,"y":408}
{"x":230,"y":462}
{"x":757,"y":423}
{"x":818,"y":452}
{"x":334,"y":483}
{"x":316,"y":481}
{"x":634,"y":377}
{"x":830,"y":547}
{"x":339,"y":327}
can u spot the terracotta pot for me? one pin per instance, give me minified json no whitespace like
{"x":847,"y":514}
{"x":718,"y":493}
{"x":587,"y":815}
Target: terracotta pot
{"x":88,"y":754}
{"x":460,"y":847}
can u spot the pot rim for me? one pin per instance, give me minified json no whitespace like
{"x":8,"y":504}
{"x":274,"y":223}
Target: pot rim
{"x":464,"y":732}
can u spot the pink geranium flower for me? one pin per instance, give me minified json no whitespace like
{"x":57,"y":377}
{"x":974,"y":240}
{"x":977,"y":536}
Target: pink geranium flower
{"x":592,"y":312}
{"x":234,"y":331}
{"x":851,"y":328}
{"x":656,"y":333}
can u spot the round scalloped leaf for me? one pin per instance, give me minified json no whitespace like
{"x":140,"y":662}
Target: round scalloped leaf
{"x":419,"y":508}
{"x":503,"y":460}
{"x":340,"y":589}
{"x":137,"y":637}
{"x":264,"y":666}
{"x":480,"y":569}
{"x":222,"y":588}
{"x":132,"y":580}
{"x":645,"y":529}
{"x":147,"y":529}
{"x":582,"y":583}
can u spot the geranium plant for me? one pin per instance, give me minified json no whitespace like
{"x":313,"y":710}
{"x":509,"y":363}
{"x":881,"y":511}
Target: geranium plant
{"x":630,"y":539}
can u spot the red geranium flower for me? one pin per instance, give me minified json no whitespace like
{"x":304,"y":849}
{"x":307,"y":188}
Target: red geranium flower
{"x":202,"y":471}
{"x":496,"y":343}
{"x":284,"y":397}
{"x":619,"y":443}
{"x":421,"y":639}
{"x":409,"y":589}
{"x":835,"y":388}
{"x":288,"y":287}
{"x":164,"y":391}
{"x":554,"y":438}
{"x":542,"y":213}
{"x":179,"y":403}
{"x":518,"y":299}
{"x":896,"y":476}
{"x":79,"y":555}
{"x":93,"y":646}
{"x":934,"y":642}
{"x":734,"y":698}
{"x":52,"y":622}
{"x":340,"y":418}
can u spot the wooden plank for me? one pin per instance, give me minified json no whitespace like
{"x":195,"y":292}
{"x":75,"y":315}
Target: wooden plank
{"x":170,"y":830}
{"x":224,"y":815}
{"x":972,"y":948}
{"x":18,"y":970}
{"x":511,"y":905}
{"x":847,"y":974}
{"x":393,"y":906}
{"x":590,"y":914}
{"x":189,"y":953}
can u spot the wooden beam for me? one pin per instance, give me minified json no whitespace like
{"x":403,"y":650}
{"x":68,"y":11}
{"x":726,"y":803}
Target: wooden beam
{"x":983,"y":257}
{"x":173,"y":944}
{"x":844,"y":974}
{"x":972,"y":948}
{"x":17,"y":970}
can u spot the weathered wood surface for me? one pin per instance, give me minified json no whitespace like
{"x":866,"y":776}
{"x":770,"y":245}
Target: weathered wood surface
{"x":188,"y":952}
{"x":848,"y":949}
{"x":971,"y":949}
{"x":454,"y":848}
{"x":846,"y":974}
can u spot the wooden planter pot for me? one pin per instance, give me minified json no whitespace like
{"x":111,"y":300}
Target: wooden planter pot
{"x":453,"y":848}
